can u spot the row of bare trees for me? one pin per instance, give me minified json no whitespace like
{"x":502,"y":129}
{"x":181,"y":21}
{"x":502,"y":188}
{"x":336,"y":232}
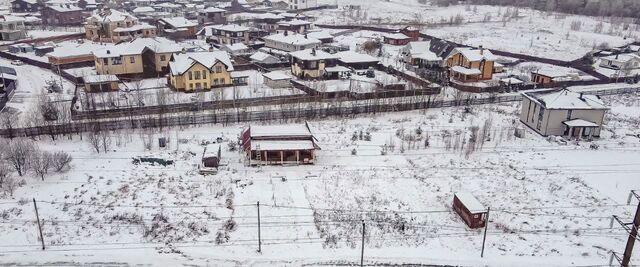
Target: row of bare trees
{"x":20,"y":156}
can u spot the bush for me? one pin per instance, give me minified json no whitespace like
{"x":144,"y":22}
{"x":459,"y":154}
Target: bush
{"x":61,"y":161}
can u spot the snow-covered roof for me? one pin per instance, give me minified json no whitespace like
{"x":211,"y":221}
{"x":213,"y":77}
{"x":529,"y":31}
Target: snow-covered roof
{"x":84,"y":49}
{"x":271,"y":16}
{"x":312,"y":54}
{"x":470,"y":202}
{"x":183,"y":61}
{"x":565,"y":99}
{"x":294,"y":39}
{"x":466,"y":71}
{"x":511,"y":80}
{"x":111,"y":15}
{"x":236,"y":47}
{"x":295,"y":22}
{"x":474,"y":55}
{"x":396,"y":36}
{"x":422,"y":50}
{"x":100,"y":78}
{"x":208,"y":30}
{"x":179,"y":22}
{"x":262,"y":145}
{"x":551,"y":72}
{"x":320,"y":35}
{"x":137,"y":46}
{"x":299,"y":130}
{"x":260,"y":56}
{"x":354,"y":57}
{"x":337,"y":69}
{"x":65,"y":8}
{"x":143,"y":9}
{"x":580,"y":123}
{"x":211,"y":151}
{"x":623,"y":57}
{"x":212,"y":10}
{"x":134,"y":28}
{"x":9,"y":18}
{"x":276,"y":76}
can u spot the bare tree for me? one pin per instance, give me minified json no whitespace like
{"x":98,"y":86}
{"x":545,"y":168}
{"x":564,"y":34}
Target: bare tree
{"x":18,"y":153}
{"x":41,"y":163}
{"x":94,"y":140}
{"x":9,"y":122}
{"x":5,"y":172}
{"x":61,"y":161}
{"x":105,"y":140}
{"x":10,"y":185}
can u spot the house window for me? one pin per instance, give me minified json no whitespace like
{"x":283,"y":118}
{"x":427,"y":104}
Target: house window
{"x":205,"y":85}
{"x":190,"y":76}
{"x":132,"y":59}
{"x":218,"y":69}
{"x":197,"y":75}
{"x":204,"y":75}
{"x":198,"y":86}
{"x":105,"y":61}
{"x":163,"y":57}
{"x":540,"y":117}
{"x":116,"y":61}
{"x":215,"y":81}
{"x":191,"y":86}
{"x":222,"y":81}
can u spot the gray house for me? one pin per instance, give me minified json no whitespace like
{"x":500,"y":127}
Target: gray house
{"x":563,"y":113}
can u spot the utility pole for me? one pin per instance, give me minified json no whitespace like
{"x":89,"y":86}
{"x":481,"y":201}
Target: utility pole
{"x":632,"y":229}
{"x":259,"y":237}
{"x":38,"y":220}
{"x":486,"y":225}
{"x":362,"y":251}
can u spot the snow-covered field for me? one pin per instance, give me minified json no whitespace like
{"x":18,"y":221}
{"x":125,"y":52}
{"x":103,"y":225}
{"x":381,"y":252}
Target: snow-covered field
{"x":528,"y":32}
{"x":551,"y":203}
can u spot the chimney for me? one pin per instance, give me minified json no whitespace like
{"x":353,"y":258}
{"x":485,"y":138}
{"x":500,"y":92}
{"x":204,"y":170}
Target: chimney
{"x":582,"y":96}
{"x":286,"y":33}
{"x":481,"y":49}
{"x":306,"y":36}
{"x":108,"y":52}
{"x":211,"y":48}
{"x":313,"y":51}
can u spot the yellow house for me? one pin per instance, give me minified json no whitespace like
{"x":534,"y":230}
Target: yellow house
{"x":141,"y":57}
{"x":200,"y":71}
{"x":108,"y":25}
{"x":471,"y":65}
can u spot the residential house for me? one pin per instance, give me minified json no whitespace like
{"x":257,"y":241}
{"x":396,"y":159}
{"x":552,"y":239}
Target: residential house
{"x":279,"y":145}
{"x":296,"y":25}
{"x":419,"y":55}
{"x":146,"y":57}
{"x":26,"y":6}
{"x":412,"y":32}
{"x":302,"y":4}
{"x":212,"y":15}
{"x":225,"y":34}
{"x":311,"y":63}
{"x":276,"y":4}
{"x":79,"y":54}
{"x":563,"y":112}
{"x":12,"y":28}
{"x":324,"y":36}
{"x":356,"y":61}
{"x":621,"y":61}
{"x":268,"y":22}
{"x":291,"y":42}
{"x":62,"y":15}
{"x":396,"y":39}
{"x":547,"y":76}
{"x":200,"y":71}
{"x":169,"y":8}
{"x":177,"y":28}
{"x":470,"y":65}
{"x":110,"y":25}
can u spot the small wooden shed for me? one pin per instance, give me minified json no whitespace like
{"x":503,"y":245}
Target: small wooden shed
{"x":472,"y":212}
{"x":211,"y":156}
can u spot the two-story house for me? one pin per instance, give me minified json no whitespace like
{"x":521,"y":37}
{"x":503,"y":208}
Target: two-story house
{"x":470,"y":65}
{"x":12,"y":28}
{"x":200,"y":71}
{"x":177,"y":28}
{"x":311,"y":63}
{"x":288,"y":42}
{"x":63,"y":14}
{"x":225,"y":34}
{"x":108,"y":25}
{"x":212,"y":15}
{"x":26,"y":6}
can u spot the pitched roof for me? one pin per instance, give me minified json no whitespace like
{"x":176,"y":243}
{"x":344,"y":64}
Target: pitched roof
{"x":396,"y":36}
{"x":354,"y":57}
{"x":134,"y":28}
{"x":470,"y":202}
{"x":184,"y":61}
{"x":109,"y":15}
{"x":276,"y":76}
{"x":137,"y":46}
{"x":260,"y":56}
{"x":565,"y":99}
{"x":474,"y":55}
{"x":312,"y":54}
{"x":212,"y":10}
{"x":179,"y":22}
{"x":294,"y":39}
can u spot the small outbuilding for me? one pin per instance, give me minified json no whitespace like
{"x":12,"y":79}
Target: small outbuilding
{"x":211,"y":159}
{"x":277,"y":79}
{"x":101,"y":83}
{"x":472,"y":212}
{"x":43,"y":50}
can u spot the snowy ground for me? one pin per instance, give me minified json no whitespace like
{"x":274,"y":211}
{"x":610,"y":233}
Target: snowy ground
{"x":357,"y":83}
{"x":551,"y":203}
{"x":530,"y":32}
{"x":154,"y":91}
